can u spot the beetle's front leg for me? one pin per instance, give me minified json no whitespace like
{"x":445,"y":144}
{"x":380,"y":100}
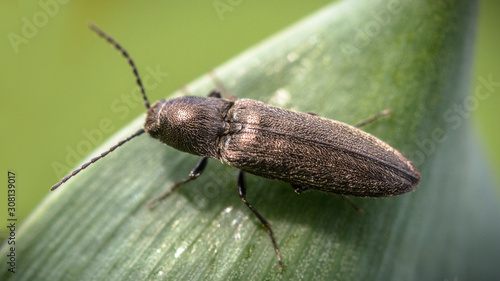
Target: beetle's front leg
{"x":195,"y":173}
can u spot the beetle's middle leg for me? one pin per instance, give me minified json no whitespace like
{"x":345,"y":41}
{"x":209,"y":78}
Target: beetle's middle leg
{"x":242,"y":189}
{"x":195,"y":173}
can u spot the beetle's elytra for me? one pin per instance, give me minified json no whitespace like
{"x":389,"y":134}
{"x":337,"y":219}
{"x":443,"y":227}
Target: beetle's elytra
{"x":308,"y":151}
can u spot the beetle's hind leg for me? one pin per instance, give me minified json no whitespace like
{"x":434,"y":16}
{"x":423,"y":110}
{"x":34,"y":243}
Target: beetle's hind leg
{"x":373,"y":118}
{"x":299,"y":189}
{"x":195,"y":173}
{"x":367,"y":121}
{"x":348,"y":201}
{"x":242,"y":189}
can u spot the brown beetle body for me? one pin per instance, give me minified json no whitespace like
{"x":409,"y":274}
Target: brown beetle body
{"x":302,"y":149}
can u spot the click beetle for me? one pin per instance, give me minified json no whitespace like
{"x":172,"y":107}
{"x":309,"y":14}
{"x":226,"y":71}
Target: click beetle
{"x":308,"y":151}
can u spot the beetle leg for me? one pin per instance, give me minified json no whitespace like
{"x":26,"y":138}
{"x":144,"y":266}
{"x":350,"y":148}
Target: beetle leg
{"x":195,"y":173}
{"x":216,"y":93}
{"x":220,"y":88}
{"x":242,"y":189}
{"x":346,"y":199}
{"x":298,"y":189}
{"x":373,"y":118}
{"x":367,"y":121}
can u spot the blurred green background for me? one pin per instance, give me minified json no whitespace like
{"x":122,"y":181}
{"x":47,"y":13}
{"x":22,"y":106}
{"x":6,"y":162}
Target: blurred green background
{"x":59,"y":81}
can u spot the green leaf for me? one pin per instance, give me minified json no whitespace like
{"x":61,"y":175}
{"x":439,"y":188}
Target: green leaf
{"x":347,"y":62}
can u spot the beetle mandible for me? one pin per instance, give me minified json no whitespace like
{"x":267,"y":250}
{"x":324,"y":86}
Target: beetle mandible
{"x":308,"y":151}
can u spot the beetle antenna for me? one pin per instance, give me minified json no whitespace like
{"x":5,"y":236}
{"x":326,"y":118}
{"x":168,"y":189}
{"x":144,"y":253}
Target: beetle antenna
{"x":127,"y":56}
{"x":93,"y":160}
